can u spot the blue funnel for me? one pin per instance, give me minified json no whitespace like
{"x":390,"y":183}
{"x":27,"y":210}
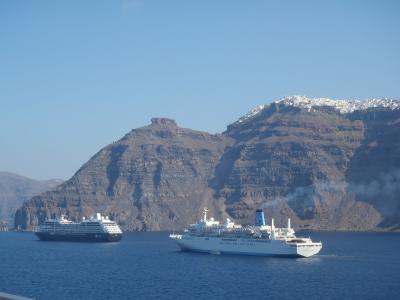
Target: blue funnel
{"x":260,"y":220}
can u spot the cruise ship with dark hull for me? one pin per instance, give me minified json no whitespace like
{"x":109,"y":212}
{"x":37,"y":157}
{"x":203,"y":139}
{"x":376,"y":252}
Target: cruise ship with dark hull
{"x":94,"y":229}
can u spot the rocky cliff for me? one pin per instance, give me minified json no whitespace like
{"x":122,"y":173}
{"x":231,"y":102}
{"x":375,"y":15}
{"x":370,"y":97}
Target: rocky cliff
{"x":154,"y":178}
{"x":16,"y":189}
{"x":328,"y":164}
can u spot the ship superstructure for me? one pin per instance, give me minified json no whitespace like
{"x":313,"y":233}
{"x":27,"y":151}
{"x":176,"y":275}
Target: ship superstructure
{"x":211,"y":236}
{"x":94,"y":229}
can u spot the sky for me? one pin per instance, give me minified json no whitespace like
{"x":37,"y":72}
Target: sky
{"x":78,"y":75}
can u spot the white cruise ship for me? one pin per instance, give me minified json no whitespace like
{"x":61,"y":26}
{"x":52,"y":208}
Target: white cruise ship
{"x":265,"y":240}
{"x":94,"y":229}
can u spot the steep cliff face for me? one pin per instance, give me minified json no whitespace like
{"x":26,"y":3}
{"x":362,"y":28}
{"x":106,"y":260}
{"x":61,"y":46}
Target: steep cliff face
{"x":327,"y":164}
{"x":16,"y":189}
{"x":374,"y":171}
{"x":154,"y":178}
{"x":293,"y":162}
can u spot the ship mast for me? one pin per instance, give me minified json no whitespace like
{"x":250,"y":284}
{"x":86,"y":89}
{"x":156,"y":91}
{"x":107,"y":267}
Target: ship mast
{"x":205,"y":210}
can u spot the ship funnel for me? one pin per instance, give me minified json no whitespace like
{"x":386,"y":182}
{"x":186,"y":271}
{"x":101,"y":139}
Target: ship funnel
{"x":260,"y":220}
{"x":288,"y":223}
{"x":98,"y":216}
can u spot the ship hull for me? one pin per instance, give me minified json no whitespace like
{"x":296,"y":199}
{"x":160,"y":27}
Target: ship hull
{"x":239,"y":246}
{"x":79,"y":237}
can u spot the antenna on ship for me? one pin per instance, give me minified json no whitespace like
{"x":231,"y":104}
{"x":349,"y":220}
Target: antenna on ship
{"x":272,"y":229}
{"x":205,"y":210}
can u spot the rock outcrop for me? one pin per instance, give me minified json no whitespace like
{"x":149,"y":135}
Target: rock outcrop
{"x":327,"y":164}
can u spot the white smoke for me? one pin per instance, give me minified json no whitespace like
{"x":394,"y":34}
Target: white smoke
{"x":303,"y":193}
{"x":385,"y":186}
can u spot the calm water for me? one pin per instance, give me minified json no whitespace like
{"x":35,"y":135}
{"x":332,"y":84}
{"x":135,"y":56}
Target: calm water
{"x":149,"y":265}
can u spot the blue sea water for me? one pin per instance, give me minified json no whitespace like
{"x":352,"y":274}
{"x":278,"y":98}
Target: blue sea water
{"x":150,"y":266}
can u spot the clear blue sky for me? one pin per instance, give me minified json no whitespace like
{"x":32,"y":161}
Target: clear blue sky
{"x":77,"y":75}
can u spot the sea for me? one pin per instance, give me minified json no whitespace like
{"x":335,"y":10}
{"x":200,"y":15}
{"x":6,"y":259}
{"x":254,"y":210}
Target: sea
{"x":148,"y":265}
